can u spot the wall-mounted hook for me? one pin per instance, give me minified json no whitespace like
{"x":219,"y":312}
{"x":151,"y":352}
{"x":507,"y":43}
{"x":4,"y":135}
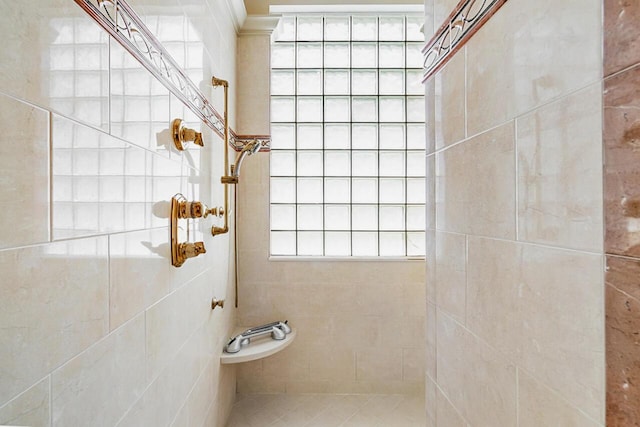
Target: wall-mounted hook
{"x":182,"y":134}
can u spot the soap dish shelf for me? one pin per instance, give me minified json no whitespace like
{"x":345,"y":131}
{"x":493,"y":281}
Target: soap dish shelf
{"x":259,"y":348}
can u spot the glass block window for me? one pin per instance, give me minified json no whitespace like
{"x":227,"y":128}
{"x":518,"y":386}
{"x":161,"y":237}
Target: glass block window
{"x":348,"y":140}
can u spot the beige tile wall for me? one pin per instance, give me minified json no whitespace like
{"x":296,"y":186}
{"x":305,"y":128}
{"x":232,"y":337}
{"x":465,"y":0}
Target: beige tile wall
{"x":96,"y":327}
{"x":360,"y":323}
{"x":515,"y":317}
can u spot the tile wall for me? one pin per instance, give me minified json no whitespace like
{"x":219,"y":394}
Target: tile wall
{"x":97,"y":328}
{"x":360,"y":324}
{"x":515,"y":302}
{"x":622,"y":210}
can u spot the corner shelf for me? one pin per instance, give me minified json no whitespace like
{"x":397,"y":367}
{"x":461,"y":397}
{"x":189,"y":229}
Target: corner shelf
{"x":259,"y":348}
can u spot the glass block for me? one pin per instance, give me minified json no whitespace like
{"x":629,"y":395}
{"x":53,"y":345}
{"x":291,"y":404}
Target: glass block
{"x":414,"y":55}
{"x":416,"y":219}
{"x":391,"y":190}
{"x":309,"y":190}
{"x":337,"y":190}
{"x":365,"y":109}
{"x":416,"y":244}
{"x":337,"y":217}
{"x":310,"y":109}
{"x":337,"y":136}
{"x":283,"y":190}
{"x":391,"y":55}
{"x":336,"y":28}
{"x":364,"y":82}
{"x":392,"y":163}
{"x":283,"y":55}
{"x":309,"y":137}
{"x":283,"y":109}
{"x":336,"y":82}
{"x":365,"y":217}
{"x":364,"y":55}
{"x":309,"y":55}
{"x":283,"y":163}
{"x":392,"y":136}
{"x":416,"y":163}
{"x":310,"y":163}
{"x":414,"y":24}
{"x":310,"y":217}
{"x":337,"y":163}
{"x":416,"y":190}
{"x":365,"y":137}
{"x":415,"y":109}
{"x":416,"y":136}
{"x":392,"y":244}
{"x":283,"y":243}
{"x":392,"y":82}
{"x":336,"y":55}
{"x":391,"y":28}
{"x":365,"y":163}
{"x":283,"y":136}
{"x":286,"y":29}
{"x":310,"y":243}
{"x":364,"y":28}
{"x":391,"y":217}
{"x":365,"y":190}
{"x":283,"y":217}
{"x":391,"y":109}
{"x":337,"y":244}
{"x":336,"y":109}
{"x":309,"y":82}
{"x":283,"y":82}
{"x":309,"y":28}
{"x":414,"y":82}
{"x":364,"y":244}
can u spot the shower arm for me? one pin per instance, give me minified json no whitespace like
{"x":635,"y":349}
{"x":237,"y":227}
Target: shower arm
{"x":226,"y":179}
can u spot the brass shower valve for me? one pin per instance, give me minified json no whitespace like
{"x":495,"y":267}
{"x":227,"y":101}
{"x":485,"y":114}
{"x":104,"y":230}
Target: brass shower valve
{"x":197,"y":209}
{"x":182,"y":134}
{"x":191,"y":250}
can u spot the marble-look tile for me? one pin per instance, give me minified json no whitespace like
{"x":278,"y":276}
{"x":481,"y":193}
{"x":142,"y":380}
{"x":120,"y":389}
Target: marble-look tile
{"x":470,"y":174}
{"x":623,"y":328}
{"x":479,"y":381}
{"x":540,"y":406}
{"x":139,"y":107}
{"x":526,"y":72}
{"x":141,"y":272}
{"x":431,"y":328}
{"x":31,"y":408}
{"x":560,"y":172}
{"x":253,"y":94}
{"x":430,"y":400}
{"x":100,"y":183}
{"x":430,"y":260}
{"x":450,"y":106}
{"x":379,"y":364}
{"x":621,"y":35}
{"x":24,"y":162}
{"x":622,"y":179}
{"x":54,"y":303}
{"x":67,"y":65}
{"x":98,"y":386}
{"x":447,"y":415}
{"x":544,"y":316}
{"x":451,"y":274}
{"x":430,"y":117}
{"x":173,"y":320}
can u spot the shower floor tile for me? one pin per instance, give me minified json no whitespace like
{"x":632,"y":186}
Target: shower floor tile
{"x":327,"y":410}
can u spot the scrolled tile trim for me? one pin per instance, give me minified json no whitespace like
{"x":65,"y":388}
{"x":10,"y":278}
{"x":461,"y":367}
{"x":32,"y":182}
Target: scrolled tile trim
{"x":463,"y":22}
{"x":119,"y":19}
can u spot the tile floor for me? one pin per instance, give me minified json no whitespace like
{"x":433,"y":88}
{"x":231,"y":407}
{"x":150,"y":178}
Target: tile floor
{"x":327,"y":410}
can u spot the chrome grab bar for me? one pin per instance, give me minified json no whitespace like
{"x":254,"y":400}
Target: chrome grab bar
{"x":278,"y":331}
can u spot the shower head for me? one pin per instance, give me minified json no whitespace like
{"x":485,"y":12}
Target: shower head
{"x":249,"y":149}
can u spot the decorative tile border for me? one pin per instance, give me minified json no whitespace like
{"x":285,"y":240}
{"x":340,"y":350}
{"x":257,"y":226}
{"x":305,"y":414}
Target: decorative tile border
{"x":125,"y":26}
{"x":467,"y":18}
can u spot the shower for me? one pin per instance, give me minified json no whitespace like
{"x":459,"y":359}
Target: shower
{"x":249,"y":149}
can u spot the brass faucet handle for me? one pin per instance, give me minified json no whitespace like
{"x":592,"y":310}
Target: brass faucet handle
{"x":192,"y":210}
{"x":182,"y":134}
{"x":192,"y":250}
